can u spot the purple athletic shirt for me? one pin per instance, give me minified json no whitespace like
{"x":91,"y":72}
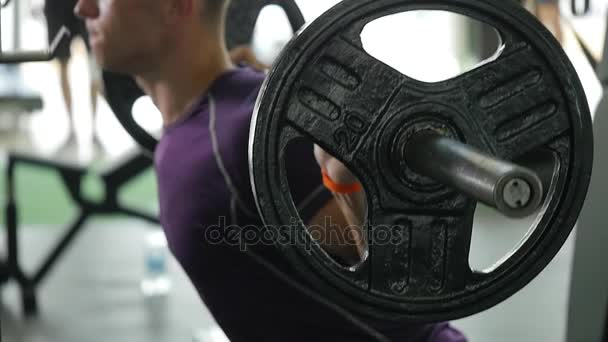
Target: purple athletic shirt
{"x":204,"y":187}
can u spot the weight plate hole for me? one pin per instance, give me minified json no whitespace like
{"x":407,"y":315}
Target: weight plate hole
{"x":411,"y":54}
{"x":340,"y":236}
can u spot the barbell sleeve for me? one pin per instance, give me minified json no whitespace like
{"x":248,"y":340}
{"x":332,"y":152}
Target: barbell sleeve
{"x":514,"y":190}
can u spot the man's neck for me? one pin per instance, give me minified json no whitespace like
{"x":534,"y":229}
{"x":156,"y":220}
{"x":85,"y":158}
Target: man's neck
{"x":176,"y":87}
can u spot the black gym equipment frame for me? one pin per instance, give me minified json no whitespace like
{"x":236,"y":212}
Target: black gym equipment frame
{"x":72,"y":177}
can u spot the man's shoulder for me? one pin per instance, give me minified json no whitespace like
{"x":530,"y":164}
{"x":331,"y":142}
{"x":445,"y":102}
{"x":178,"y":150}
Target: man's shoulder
{"x":242,"y":83}
{"x":234,"y":96}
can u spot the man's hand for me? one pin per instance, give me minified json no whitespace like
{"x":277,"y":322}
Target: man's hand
{"x":244,"y":54}
{"x":353,"y":205}
{"x":334,"y":168}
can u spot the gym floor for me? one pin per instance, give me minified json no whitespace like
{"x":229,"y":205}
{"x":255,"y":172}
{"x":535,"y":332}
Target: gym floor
{"x":93,"y":293}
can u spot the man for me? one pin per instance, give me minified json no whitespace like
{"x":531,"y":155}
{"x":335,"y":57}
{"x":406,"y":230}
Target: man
{"x":175,"y":50}
{"x":60,"y":13}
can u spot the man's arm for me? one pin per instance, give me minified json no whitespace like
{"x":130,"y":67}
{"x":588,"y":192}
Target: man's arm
{"x":351,"y":203}
{"x":347,"y":211}
{"x":339,"y":238}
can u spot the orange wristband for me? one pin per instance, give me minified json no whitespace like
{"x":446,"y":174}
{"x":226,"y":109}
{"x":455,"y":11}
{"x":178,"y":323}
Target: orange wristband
{"x":340,"y":188}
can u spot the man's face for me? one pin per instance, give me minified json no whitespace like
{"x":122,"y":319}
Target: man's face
{"x":129,"y":36}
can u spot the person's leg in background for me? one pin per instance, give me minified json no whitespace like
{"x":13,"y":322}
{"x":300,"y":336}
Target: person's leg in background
{"x":95,"y":78}
{"x":58,"y":13}
{"x":96,"y":89}
{"x":67,"y":94}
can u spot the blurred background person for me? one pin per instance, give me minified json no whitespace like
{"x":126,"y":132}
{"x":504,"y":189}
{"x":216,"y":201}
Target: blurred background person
{"x":60,"y":13}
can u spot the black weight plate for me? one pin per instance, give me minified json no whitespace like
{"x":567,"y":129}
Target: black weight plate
{"x":122,"y":91}
{"x":526,"y":105}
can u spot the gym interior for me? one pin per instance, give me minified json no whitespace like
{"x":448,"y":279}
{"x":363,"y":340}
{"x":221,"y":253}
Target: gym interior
{"x":84,"y":258}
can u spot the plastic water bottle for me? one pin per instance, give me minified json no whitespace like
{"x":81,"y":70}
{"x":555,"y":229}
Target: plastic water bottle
{"x":156,"y":281}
